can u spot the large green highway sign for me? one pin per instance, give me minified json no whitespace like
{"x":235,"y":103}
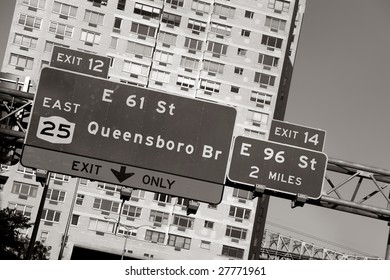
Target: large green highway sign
{"x":105,"y":131}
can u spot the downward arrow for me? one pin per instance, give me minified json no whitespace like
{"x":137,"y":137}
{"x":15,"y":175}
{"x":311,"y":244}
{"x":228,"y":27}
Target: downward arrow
{"x":121,"y":175}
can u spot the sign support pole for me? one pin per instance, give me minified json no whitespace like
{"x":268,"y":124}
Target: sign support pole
{"x":34,"y":233}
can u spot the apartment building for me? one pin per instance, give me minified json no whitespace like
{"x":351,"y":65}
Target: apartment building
{"x":238,"y":53}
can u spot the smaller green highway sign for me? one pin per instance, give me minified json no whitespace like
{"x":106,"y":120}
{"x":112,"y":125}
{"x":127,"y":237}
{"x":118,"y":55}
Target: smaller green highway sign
{"x":278,"y":167}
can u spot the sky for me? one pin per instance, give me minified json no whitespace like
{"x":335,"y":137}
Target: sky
{"x":340,"y":85}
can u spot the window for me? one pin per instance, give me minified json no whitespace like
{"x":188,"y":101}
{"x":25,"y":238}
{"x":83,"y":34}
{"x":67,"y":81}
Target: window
{"x":138,"y":194}
{"x":75,"y":220}
{"x":24,"y":189}
{"x":132,"y":232}
{"x":182,"y":201}
{"x":245,"y":33}
{"x":259,"y":119}
{"x":271,"y":42}
{"x":221,"y":29}
{"x":25,"y":41}
{"x":162,"y":197}
{"x":208,"y":224}
{"x":205,"y":244}
{"x":183,"y":221}
{"x":238,"y":70}
{"x":213,"y":67}
{"x":64,"y":10}
{"x":90,"y":37}
{"x":139,"y":49}
{"x":121,"y":5}
{"x":236,"y":232}
{"x":241,"y":52}
{"x":79,"y":199}
{"x":264,"y":79}
{"x":25,"y":170}
{"x":55,"y":195}
{"x":249,"y":14}
{"x":275,"y":24}
{"x":216,"y":48}
{"x":243,"y":194}
{"x":98,"y":3}
{"x":200,"y":6}
{"x":59,"y":177}
{"x":232,"y":252}
{"x":193,"y":44}
{"x":109,"y":187}
{"x":21,"y":208}
{"x":175,"y":2}
{"x":234,"y":89}
{"x":61,"y":29}
{"x":50,"y":215}
{"x":268,"y":60}
{"x":114,"y":42}
{"x":179,"y":241}
{"x":117,"y":24}
{"x":143,"y":29}
{"x":49,"y":46}
{"x":224,"y":11}
{"x":30,"y":21}
{"x":254,"y":133}
{"x":240,"y":213}
{"x":21,"y":61}
{"x":197,"y":25}
{"x":189,"y":63}
{"x":135,"y":68}
{"x":84,"y":182}
{"x":158,"y":217}
{"x":210,"y":86}
{"x":106,"y":205}
{"x":164,"y":57}
{"x":38,"y":4}
{"x":262,"y":100}
{"x":279,"y":6}
{"x":154,"y":236}
{"x":93,"y":18}
{"x":147,"y":11}
{"x":101,"y":225}
{"x":167,"y":38}
{"x":185,"y":82}
{"x":131,"y":211}
{"x":44,"y":236}
{"x":171,"y":19}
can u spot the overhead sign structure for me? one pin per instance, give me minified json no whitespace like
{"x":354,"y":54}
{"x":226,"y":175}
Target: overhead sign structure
{"x":81,"y":62}
{"x":105,"y":131}
{"x":278,"y":167}
{"x":297,"y":135}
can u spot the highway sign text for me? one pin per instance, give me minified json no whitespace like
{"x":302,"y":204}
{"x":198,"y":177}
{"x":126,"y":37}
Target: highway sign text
{"x":297,"y":135}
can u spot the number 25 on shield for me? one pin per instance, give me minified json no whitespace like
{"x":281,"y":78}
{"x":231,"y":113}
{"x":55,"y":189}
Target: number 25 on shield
{"x":56,"y":130}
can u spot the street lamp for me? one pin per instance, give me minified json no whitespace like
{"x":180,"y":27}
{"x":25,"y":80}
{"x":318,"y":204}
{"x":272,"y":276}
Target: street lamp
{"x":130,"y":229}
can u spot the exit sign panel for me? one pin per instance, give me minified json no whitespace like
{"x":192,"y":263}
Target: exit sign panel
{"x":114,"y":130}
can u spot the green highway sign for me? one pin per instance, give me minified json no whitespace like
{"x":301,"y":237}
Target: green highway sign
{"x":101,"y":130}
{"x":278,"y":167}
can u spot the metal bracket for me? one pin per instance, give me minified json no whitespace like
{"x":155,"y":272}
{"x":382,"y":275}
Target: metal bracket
{"x":299,"y":200}
{"x":258,"y":191}
{"x":41,"y":176}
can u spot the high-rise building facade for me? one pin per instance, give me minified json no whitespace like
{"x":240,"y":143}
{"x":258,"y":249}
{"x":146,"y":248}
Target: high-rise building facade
{"x":238,"y":53}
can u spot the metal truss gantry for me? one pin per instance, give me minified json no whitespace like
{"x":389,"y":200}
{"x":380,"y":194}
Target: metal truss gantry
{"x":276,"y":246}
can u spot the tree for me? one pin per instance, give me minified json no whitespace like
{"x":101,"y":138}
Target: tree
{"x":13,"y":245}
